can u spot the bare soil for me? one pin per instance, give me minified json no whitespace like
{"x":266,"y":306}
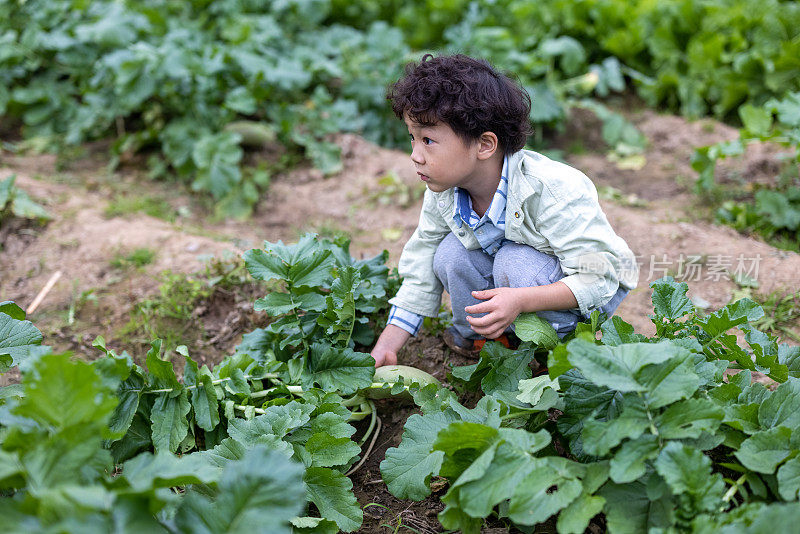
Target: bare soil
{"x":658,"y":216}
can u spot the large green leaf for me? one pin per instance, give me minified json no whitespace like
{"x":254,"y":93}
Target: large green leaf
{"x":789,"y":479}
{"x":688,"y":472}
{"x":259,"y":493}
{"x":273,"y":425}
{"x":489,"y":463}
{"x":169,"y":424}
{"x":129,"y":394}
{"x":782,"y":407}
{"x":203,"y":394}
{"x":165,"y":470}
{"x":499,"y":369}
{"x":531,"y":327}
{"x":276,"y":304}
{"x":629,"y":508}
{"x":329,"y":451}
{"x":540,"y":392}
{"x":407,"y":469}
{"x":689,"y":418}
{"x":574,"y":519}
{"x":136,"y":439}
{"x":304,"y":264}
{"x":335,"y":369}
{"x":264,"y":266}
{"x":669,"y":298}
{"x":670,"y":381}
{"x":17,"y":336}
{"x":737,"y":313}
{"x":599,"y":437}
{"x":332,"y":494}
{"x":162,"y":373}
{"x":628,"y":464}
{"x":72,"y":456}
{"x":625,"y":367}
{"x":765,"y":519}
{"x":763,"y":451}
{"x":616,"y":332}
{"x":64,"y":393}
{"x":543,"y":493}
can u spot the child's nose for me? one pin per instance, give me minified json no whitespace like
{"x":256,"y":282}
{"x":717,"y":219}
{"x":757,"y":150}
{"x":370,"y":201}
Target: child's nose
{"x":416,"y":156}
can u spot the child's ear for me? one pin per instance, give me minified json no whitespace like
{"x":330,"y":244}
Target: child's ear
{"x":487,"y":145}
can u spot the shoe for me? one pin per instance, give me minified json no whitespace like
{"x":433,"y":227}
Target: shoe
{"x":471,"y":348}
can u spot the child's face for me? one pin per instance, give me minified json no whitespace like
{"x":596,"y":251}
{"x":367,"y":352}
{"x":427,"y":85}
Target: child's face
{"x":442,"y":158}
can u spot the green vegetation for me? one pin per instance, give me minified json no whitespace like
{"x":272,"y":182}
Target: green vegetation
{"x":175,"y":81}
{"x":14,"y":202}
{"x":192,"y":86}
{"x":137,"y":258}
{"x":122,"y":205}
{"x":646,"y":431}
{"x":169,"y":315}
{"x":781,"y":311}
{"x":172,"y":314}
{"x":695,"y":56}
{"x":642,"y":431}
{"x":275,"y":414}
{"x":772,"y":211}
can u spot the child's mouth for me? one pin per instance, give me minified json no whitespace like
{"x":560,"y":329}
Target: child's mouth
{"x":423,"y":177}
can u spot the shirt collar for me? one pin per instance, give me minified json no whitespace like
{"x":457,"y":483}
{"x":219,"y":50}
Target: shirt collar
{"x":497,"y":209}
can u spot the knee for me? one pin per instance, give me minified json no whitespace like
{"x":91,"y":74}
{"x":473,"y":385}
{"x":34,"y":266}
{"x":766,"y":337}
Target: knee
{"x":449,"y":258}
{"x":523,"y":266}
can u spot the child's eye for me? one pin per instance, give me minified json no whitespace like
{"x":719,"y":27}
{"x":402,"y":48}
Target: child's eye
{"x":427,"y":140}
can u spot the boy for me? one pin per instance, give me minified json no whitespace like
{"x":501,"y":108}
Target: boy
{"x":503,"y":230}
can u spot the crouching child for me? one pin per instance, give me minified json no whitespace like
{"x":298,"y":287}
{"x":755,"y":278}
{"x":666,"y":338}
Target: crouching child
{"x":503,"y":230}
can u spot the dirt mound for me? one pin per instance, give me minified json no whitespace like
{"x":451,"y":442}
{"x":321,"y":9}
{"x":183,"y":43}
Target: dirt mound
{"x":375,"y":200}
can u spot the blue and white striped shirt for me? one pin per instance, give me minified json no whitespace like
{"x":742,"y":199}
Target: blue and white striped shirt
{"x":489,"y":230}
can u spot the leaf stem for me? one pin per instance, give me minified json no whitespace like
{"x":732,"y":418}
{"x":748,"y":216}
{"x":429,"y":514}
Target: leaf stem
{"x":297,"y":318}
{"x":214,"y":382}
{"x":373,"y":419}
{"x":521,"y":413}
{"x":734,"y":489}
{"x":241,"y":408}
{"x":296,"y":390}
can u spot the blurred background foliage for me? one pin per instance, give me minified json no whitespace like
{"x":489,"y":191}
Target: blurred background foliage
{"x":193,"y":84}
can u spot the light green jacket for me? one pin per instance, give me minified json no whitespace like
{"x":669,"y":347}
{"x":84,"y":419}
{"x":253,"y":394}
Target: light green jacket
{"x":551,"y":207}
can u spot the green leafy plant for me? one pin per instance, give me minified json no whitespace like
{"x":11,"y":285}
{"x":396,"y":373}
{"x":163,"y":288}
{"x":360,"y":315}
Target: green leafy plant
{"x":326,"y":299}
{"x":771,"y":211}
{"x":14,"y":202}
{"x":246,"y":444}
{"x":646,"y":431}
{"x":192,"y":86}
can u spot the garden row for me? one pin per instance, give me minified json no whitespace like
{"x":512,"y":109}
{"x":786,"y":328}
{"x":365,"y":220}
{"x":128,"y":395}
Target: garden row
{"x":629,"y":432}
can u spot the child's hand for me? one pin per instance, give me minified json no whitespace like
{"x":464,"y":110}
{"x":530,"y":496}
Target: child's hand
{"x":389,"y":342}
{"x":501,"y":305}
{"x":384,"y":357}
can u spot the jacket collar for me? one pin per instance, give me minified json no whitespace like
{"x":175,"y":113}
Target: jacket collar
{"x":519,"y":189}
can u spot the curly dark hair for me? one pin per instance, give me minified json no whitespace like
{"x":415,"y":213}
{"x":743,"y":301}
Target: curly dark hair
{"x":468,"y":95}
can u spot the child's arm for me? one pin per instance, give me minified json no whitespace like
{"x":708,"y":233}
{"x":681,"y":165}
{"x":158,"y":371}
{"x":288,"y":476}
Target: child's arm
{"x":390,"y":341}
{"x":502,"y":305}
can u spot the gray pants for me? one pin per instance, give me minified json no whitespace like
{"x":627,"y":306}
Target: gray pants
{"x":462,"y":271}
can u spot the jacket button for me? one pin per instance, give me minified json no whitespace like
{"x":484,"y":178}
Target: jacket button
{"x":441,"y":203}
{"x":516,"y":214}
{"x":462,"y":233}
